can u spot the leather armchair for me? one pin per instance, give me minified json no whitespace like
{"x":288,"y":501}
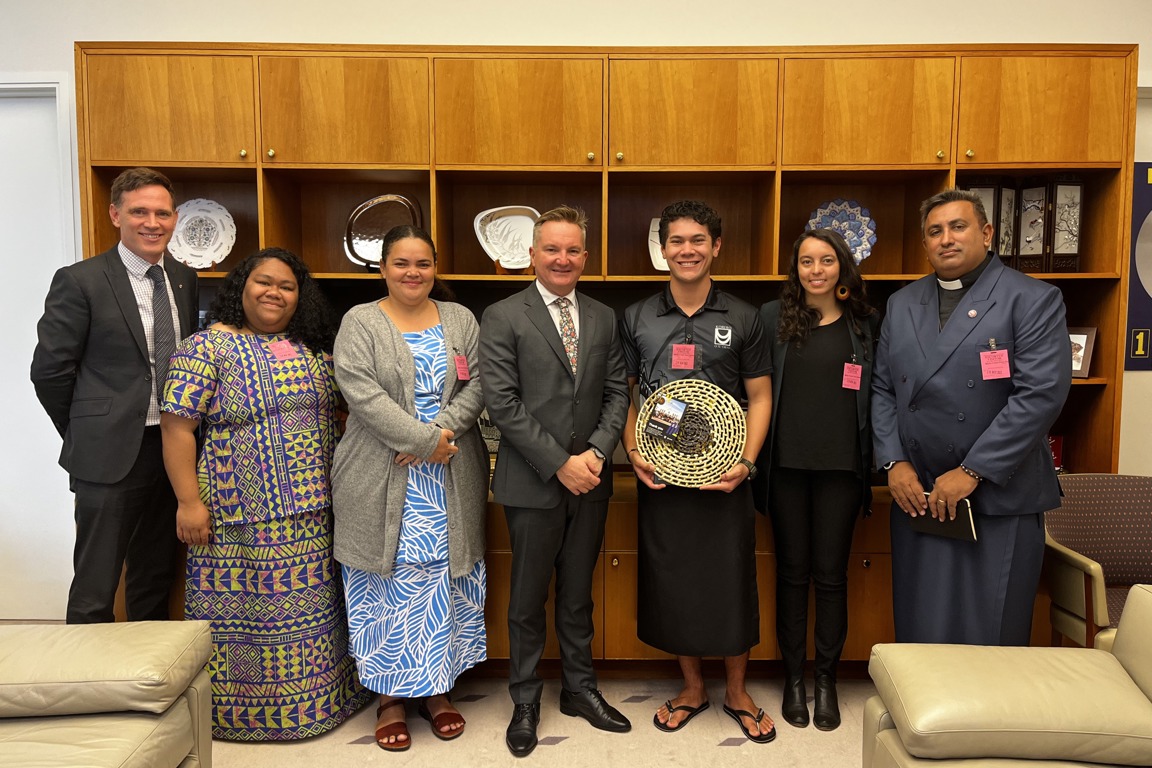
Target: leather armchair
{"x":1099,"y":544}
{"x":992,"y":707}
{"x":133,"y":694}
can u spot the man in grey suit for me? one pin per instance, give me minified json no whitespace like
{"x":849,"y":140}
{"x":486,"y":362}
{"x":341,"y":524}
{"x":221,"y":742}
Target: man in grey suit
{"x":973,"y":368}
{"x":552,"y":371}
{"x":110,"y":325}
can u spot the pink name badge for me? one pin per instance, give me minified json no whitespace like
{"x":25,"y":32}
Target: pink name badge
{"x":462,"y":368}
{"x":994,"y":364}
{"x":683,"y":357}
{"x":852,"y":373}
{"x":283,"y":350}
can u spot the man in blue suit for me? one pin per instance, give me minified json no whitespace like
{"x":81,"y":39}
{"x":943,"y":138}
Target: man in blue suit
{"x":973,"y":367}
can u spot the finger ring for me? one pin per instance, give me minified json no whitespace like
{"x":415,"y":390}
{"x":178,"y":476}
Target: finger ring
{"x":941,"y":501}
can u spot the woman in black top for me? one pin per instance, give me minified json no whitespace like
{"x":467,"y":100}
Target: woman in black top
{"x":816,"y":462}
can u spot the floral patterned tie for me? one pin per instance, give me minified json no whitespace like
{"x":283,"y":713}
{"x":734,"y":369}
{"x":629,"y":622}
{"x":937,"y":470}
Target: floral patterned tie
{"x":567,"y":330}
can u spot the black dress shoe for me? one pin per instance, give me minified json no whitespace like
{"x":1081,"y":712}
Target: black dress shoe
{"x":590,"y":705}
{"x":795,"y":706}
{"x":826,"y":709}
{"x":521,"y":738}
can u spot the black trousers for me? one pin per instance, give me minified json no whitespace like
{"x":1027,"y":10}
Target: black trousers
{"x":564,"y":540}
{"x":813,"y":514}
{"x":132,"y":521}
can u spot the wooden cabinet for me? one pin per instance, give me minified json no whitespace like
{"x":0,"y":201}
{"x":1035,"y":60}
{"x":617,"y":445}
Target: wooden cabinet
{"x":765,"y":135}
{"x":685,"y":112}
{"x":333,"y":110}
{"x":1044,"y":109}
{"x":519,"y":112}
{"x":868,"y":111}
{"x":167,"y":108}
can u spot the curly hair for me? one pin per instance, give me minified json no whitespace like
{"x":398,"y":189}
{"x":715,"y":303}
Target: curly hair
{"x":311,"y":323}
{"x":797,"y":319}
{"x":695,"y":210}
{"x":441,"y":291}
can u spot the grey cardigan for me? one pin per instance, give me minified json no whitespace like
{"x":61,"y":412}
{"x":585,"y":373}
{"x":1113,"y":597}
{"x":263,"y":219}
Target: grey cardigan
{"x":377,"y":377}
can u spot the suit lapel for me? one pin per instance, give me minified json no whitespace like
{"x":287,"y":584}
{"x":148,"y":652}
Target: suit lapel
{"x":587,"y":328}
{"x":183,"y":299}
{"x":122,"y":289}
{"x":967,"y":315}
{"x":539,"y":315}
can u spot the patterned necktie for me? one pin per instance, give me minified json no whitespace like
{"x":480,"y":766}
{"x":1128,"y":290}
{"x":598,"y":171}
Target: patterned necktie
{"x":163,"y":334}
{"x":567,"y":330}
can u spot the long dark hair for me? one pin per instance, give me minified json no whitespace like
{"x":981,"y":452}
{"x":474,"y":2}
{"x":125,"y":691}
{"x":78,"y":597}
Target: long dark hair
{"x":311,"y":323}
{"x":440,"y":290}
{"x":797,"y":319}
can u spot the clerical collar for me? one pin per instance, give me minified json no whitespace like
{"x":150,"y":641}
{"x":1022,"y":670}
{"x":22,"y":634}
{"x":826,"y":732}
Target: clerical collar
{"x":965,"y":281}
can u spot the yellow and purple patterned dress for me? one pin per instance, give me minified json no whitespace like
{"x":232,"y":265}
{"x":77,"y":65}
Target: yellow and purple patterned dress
{"x":280,"y":664}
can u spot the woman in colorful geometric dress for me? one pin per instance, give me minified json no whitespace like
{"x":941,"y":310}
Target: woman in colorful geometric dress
{"x":410,"y":484}
{"x":255,"y":510}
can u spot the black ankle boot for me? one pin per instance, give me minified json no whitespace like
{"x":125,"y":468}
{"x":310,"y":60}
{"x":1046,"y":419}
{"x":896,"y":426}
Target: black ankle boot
{"x":795,"y":706}
{"x":826,"y":709}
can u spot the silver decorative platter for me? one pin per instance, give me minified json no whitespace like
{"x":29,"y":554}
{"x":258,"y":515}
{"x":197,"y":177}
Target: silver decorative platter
{"x":371,"y":220}
{"x":505,"y":234}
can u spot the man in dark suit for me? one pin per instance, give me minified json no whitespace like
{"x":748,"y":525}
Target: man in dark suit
{"x":973,"y":368}
{"x":552,"y":370}
{"x":110,"y":325}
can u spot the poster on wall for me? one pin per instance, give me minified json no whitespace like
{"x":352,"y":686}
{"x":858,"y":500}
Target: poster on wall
{"x":1138,"y":355}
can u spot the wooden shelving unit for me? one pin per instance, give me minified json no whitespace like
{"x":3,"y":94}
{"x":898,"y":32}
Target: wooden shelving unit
{"x":290,"y":138}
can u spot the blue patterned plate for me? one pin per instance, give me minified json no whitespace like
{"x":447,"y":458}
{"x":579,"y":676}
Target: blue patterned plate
{"x":854,"y":223}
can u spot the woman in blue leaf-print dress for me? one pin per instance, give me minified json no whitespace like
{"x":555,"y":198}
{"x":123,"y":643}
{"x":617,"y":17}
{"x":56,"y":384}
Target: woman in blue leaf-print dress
{"x":409,"y":492}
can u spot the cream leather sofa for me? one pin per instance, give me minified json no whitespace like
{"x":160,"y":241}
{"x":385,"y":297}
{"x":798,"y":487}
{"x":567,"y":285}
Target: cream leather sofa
{"x":958,"y":706}
{"x":134,"y":694}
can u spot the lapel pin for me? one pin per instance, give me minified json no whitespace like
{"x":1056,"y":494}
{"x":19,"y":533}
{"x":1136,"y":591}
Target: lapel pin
{"x":971,"y":313}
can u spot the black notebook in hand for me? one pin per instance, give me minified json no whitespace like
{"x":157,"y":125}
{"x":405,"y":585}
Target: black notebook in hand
{"x":963,"y":527}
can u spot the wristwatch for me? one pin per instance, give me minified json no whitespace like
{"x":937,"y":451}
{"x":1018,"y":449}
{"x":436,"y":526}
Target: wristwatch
{"x":597,"y":452}
{"x":751,"y":467}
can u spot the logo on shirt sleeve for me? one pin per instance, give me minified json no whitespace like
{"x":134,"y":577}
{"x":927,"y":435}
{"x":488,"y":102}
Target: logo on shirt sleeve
{"x":722,"y":336}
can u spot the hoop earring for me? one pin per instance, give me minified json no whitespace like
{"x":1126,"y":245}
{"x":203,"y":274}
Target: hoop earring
{"x":842,"y":292}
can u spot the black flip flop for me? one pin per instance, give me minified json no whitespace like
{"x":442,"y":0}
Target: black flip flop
{"x":692,"y":712}
{"x":759,"y":738}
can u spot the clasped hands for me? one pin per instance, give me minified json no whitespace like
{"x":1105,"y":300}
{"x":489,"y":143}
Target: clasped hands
{"x":444,"y":451}
{"x":908,"y":493}
{"x":581,"y":472}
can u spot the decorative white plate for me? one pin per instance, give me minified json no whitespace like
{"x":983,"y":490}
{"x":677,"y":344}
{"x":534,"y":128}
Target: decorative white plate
{"x":654,"y":252}
{"x":505,"y":234}
{"x":851,"y":221}
{"x":205,"y":233}
{"x":370,"y":221}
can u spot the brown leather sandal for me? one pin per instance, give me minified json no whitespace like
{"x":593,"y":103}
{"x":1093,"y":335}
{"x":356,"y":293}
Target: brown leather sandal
{"x":442,"y":720}
{"x":396,"y":729}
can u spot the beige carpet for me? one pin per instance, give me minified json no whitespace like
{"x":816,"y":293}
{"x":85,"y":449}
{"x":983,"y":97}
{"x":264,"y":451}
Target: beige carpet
{"x":711,"y":739}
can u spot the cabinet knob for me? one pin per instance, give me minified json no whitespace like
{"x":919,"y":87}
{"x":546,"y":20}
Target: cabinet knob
{"x":619,"y":155}
{"x":591,"y":155}
{"x":969,"y":153}
{"x":243,"y":153}
{"x":867,"y":563}
{"x":615,"y":562}
{"x":940,"y":154}
{"x":271,"y":153}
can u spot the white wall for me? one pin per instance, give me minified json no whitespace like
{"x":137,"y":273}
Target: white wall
{"x":40,"y":37}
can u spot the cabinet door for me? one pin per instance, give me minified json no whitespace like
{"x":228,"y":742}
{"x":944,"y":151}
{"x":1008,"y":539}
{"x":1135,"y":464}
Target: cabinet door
{"x":869,"y":604}
{"x":692,"y":112}
{"x":869,"y":111}
{"x":1042,"y":109}
{"x":158,"y":108}
{"x":519,"y":111}
{"x":316,"y":109}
